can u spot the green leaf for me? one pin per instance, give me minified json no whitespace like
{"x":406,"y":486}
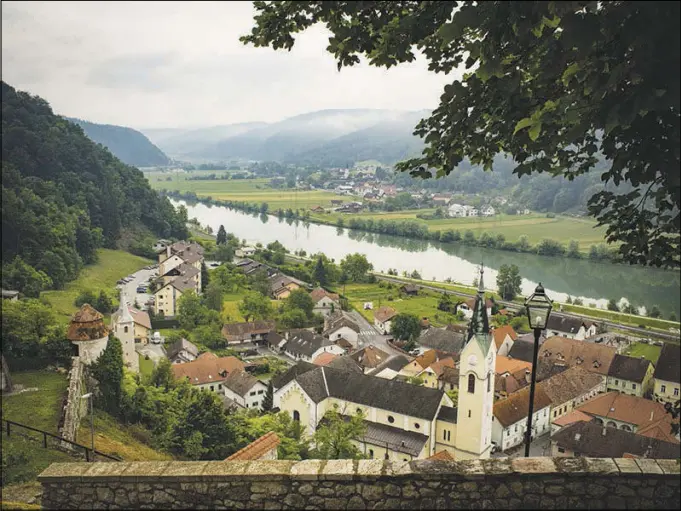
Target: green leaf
{"x":569,"y":72}
{"x":553,"y":23}
{"x":522,"y":124}
{"x":534,"y":132}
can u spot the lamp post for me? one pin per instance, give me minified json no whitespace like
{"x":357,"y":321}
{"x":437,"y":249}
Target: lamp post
{"x":538,"y":308}
{"x":92,"y":420}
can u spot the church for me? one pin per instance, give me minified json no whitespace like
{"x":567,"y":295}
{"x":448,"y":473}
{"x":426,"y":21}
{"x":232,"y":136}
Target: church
{"x":404,"y":421}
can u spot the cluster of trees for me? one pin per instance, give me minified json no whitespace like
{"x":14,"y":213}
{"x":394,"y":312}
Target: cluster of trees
{"x":63,"y":196}
{"x":630,"y":308}
{"x":509,"y":281}
{"x":406,"y":327}
{"x":100,"y":301}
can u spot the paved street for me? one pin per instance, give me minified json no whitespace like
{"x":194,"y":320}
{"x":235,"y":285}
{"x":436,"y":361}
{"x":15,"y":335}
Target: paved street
{"x":130,"y":289}
{"x":155,"y":351}
{"x":540,"y":446}
{"x":369,"y":336}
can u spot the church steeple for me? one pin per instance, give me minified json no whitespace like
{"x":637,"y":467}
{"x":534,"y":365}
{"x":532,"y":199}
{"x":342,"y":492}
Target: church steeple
{"x":479,"y":324}
{"x":123,"y":310}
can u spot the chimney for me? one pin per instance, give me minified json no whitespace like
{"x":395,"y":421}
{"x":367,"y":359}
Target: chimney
{"x":651,"y":414}
{"x":528,"y":376}
{"x":605,"y":430}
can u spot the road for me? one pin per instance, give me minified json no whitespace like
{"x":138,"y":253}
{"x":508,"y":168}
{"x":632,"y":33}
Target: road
{"x":642,"y":331}
{"x":369,"y":336}
{"x":130,"y":289}
{"x":538,"y":447}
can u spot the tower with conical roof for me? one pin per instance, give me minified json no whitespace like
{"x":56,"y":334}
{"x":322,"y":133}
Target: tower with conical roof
{"x":124,"y":328}
{"x":476,"y":385}
{"x":89,"y":333}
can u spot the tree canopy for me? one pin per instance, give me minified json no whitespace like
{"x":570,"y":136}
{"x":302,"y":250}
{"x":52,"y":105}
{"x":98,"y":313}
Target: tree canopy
{"x":509,"y":281}
{"x":558,"y":86}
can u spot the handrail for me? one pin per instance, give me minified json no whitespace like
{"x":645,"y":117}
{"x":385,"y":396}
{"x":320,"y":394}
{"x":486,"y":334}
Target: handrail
{"x":61,"y":439}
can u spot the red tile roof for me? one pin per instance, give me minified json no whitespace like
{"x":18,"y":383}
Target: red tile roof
{"x":385,"y":313}
{"x":319,"y":293}
{"x":257,"y":449}
{"x":87,"y":325}
{"x":572,"y":417}
{"x":442,"y":456}
{"x":324,"y":358}
{"x":207,"y":368}
{"x":501,"y":332}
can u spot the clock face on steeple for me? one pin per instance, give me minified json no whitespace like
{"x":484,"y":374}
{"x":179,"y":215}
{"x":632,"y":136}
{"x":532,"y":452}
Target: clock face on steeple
{"x":472,"y":360}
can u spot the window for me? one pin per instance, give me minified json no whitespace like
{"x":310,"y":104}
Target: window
{"x":471,"y":383}
{"x":125,"y":329}
{"x":444,"y":435}
{"x":469,"y":414}
{"x":371,"y":453}
{"x":449,"y":436}
{"x":252,"y":393}
{"x":417,"y":425}
{"x":633,"y":386}
{"x":561,"y":449}
{"x":211,"y":388}
{"x":676,"y":391}
{"x":617,"y":382}
{"x":219,"y":386}
{"x":260,"y":392}
{"x":663,"y":388}
{"x":489,"y":383}
{"x":391,"y":419}
{"x":296,"y":415}
{"x":554,"y":413}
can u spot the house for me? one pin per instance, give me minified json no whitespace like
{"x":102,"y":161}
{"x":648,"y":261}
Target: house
{"x":10,"y":295}
{"x":423,"y":361}
{"x":344,"y":344}
{"x":442,"y":339}
{"x":324,"y":359}
{"x":630,"y":413}
{"x":88,"y":332}
{"x":569,"y":327}
{"x":588,"y":439}
{"x":431,"y":375}
{"x":488,"y":211}
{"x":182,"y":251}
{"x":325,"y":303}
{"x":249,"y":266}
{"x":317,"y":209}
{"x":511,"y":375}
{"x":281,"y":286}
{"x":570,"y":389}
{"x":184,"y":270}
{"x":161,"y":245}
{"x":275,"y":341}
{"x":523,"y":347}
{"x":390,"y":368}
{"x":466,"y":307}
{"x":631,"y":375}
{"x":504,"y":337}
{"x":383,"y":318}
{"x":264,"y":448}
{"x":244,"y":251}
{"x":306,"y":345}
{"x":208,"y":371}
{"x":666,"y":375}
{"x":341,"y":326}
{"x":244,"y":389}
{"x":441,"y":199}
{"x":248,"y":331}
{"x":409,"y":289}
{"x":167,"y":298}
{"x":369,"y":358}
{"x":510,"y":417}
{"x":182,"y":351}
{"x":142,"y":323}
{"x":569,"y":419}
{"x":559,"y":353}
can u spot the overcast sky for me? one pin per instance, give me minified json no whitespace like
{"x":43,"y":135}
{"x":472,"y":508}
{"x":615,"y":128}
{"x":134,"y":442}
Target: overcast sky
{"x":180,"y":64}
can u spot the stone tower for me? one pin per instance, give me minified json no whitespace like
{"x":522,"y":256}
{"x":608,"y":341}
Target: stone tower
{"x":124,"y":328}
{"x":476,"y":385}
{"x":88,"y":331}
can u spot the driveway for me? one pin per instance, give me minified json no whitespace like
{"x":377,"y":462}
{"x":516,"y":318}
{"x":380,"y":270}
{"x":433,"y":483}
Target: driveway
{"x":130,"y":289}
{"x":156,"y":352}
{"x":369,"y":336}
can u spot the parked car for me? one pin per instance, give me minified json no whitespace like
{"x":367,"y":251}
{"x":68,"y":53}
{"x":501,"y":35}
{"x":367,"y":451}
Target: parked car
{"x":141,"y":289}
{"x":157,"y":339}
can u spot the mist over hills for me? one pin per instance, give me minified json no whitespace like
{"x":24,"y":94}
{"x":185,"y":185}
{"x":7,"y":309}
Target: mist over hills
{"x":325,"y":137}
{"x":128,"y":145}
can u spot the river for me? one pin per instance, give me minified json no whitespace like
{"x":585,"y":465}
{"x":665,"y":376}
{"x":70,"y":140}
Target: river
{"x":590,"y":281}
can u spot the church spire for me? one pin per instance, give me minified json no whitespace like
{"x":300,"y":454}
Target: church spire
{"x":479,"y":324}
{"x":124,"y":315}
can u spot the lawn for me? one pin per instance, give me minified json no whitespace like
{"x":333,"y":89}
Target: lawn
{"x":639,"y":349}
{"x":146,"y":366}
{"x":39,"y":409}
{"x":230,"y":307}
{"x":112,"y":266}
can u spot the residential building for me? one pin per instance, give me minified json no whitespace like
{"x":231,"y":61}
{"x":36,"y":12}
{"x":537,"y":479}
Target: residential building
{"x":420,"y":363}
{"x":488,"y":211}
{"x":431,"y":374}
{"x":306,"y":345}
{"x":466,"y":307}
{"x":244,"y":389}
{"x":630,"y":413}
{"x":290,"y":374}
{"x":592,"y":440}
{"x":569,"y":327}
{"x":449,"y":379}
{"x":142,"y":323}
{"x":511,"y":376}
{"x":559,"y":353}
{"x":570,"y":389}
{"x":510,"y":417}
{"x":667,"y":375}
{"x":182,"y":351}
{"x":208,"y":371}
{"x":523,"y":347}
{"x":369,"y":358}
{"x":248,"y":331}
{"x":325,"y":303}
{"x":344,"y":344}
{"x":275,"y":341}
{"x":10,"y":295}
{"x":383,"y":318}
{"x":123,"y":327}
{"x":631,"y":375}
{"x":281,"y":286}
{"x":504,"y":337}
{"x":339,"y":325}
{"x":184,"y":271}
{"x":88,"y":332}
{"x":443,"y":339}
{"x":264,"y":448}
{"x":390,"y":368}
{"x":249,"y":266}
{"x":324,"y":358}
{"x":167,"y":297}
{"x":409,"y":289}
{"x":178,"y":253}
{"x":244,"y":251}
{"x":569,"y":419}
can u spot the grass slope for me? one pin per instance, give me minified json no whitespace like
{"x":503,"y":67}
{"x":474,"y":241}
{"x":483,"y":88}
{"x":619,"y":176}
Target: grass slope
{"x":112,"y":266}
{"x":639,"y":349}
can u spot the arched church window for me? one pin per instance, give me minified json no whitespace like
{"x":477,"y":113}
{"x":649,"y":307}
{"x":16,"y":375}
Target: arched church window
{"x":296,"y":415}
{"x":471,"y":383}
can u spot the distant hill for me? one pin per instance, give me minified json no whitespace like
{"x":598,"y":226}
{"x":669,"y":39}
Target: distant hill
{"x":128,"y":145}
{"x":325,"y":137}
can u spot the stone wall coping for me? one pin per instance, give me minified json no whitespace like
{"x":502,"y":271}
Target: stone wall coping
{"x":339,"y":470}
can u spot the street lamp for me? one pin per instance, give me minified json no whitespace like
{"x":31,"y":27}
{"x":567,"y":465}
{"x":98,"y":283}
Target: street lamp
{"x":92,"y":420}
{"x":538,"y":308}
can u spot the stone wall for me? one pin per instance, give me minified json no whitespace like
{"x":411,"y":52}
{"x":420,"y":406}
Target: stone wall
{"x":546,"y":483}
{"x":75,"y":406}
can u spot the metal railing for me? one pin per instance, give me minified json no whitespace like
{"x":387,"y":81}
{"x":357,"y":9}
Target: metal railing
{"x":11,"y":427}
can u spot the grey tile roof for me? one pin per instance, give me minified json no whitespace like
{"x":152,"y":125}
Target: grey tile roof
{"x":180,"y":345}
{"x":669,"y":363}
{"x":240,"y":382}
{"x":304,"y":342}
{"x":345,"y":363}
{"x":629,"y":368}
{"x":396,"y":364}
{"x":448,"y":414}
{"x":341,"y":321}
{"x":522,"y":350}
{"x":443,"y":339}
{"x":568,"y":324}
{"x":391,"y":395}
{"x":587,"y":439}
{"x":301,"y":367}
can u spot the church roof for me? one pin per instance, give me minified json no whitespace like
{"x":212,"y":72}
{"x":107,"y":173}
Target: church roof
{"x":479,"y":325}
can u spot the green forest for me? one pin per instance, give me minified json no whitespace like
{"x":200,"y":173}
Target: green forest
{"x":64,"y":196}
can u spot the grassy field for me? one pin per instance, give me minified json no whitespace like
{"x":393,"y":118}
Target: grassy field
{"x":246,"y":190}
{"x":39,"y":409}
{"x":639,"y":349}
{"x":112,"y":266}
{"x":146,"y":366}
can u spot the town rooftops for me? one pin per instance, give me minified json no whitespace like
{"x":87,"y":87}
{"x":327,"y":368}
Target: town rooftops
{"x":390,"y":395}
{"x":87,"y":325}
{"x":301,"y":367}
{"x":324,"y":358}
{"x":572,"y":417}
{"x":515,"y":407}
{"x":448,"y":414}
{"x":500,"y":334}
{"x":561,"y":351}
{"x":395,"y":363}
{"x":319,"y":293}
{"x":304,"y":342}
{"x":139,"y":317}
{"x":384,"y":313}
{"x":443,"y":339}
{"x":669,"y":364}
{"x":257,"y":449}
{"x":247,"y":328}
{"x":593,"y":440}
{"x":439,"y":366}
{"x":339,"y":322}
{"x":566,"y":324}
{"x":240,"y":382}
{"x":207,"y":369}
{"x":449,"y":375}
{"x":430,"y":356}
{"x":510,"y":365}
{"x":570,"y":384}
{"x":441,"y":456}
{"x":182,"y":345}
{"x":629,"y":368}
{"x":370,"y":357}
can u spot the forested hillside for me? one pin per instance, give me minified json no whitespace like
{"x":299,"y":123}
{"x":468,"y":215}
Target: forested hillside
{"x":126,"y":144}
{"x":63,"y":196}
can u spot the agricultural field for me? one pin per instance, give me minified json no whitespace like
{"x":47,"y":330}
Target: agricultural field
{"x":254,"y":191}
{"x":103,"y":275}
